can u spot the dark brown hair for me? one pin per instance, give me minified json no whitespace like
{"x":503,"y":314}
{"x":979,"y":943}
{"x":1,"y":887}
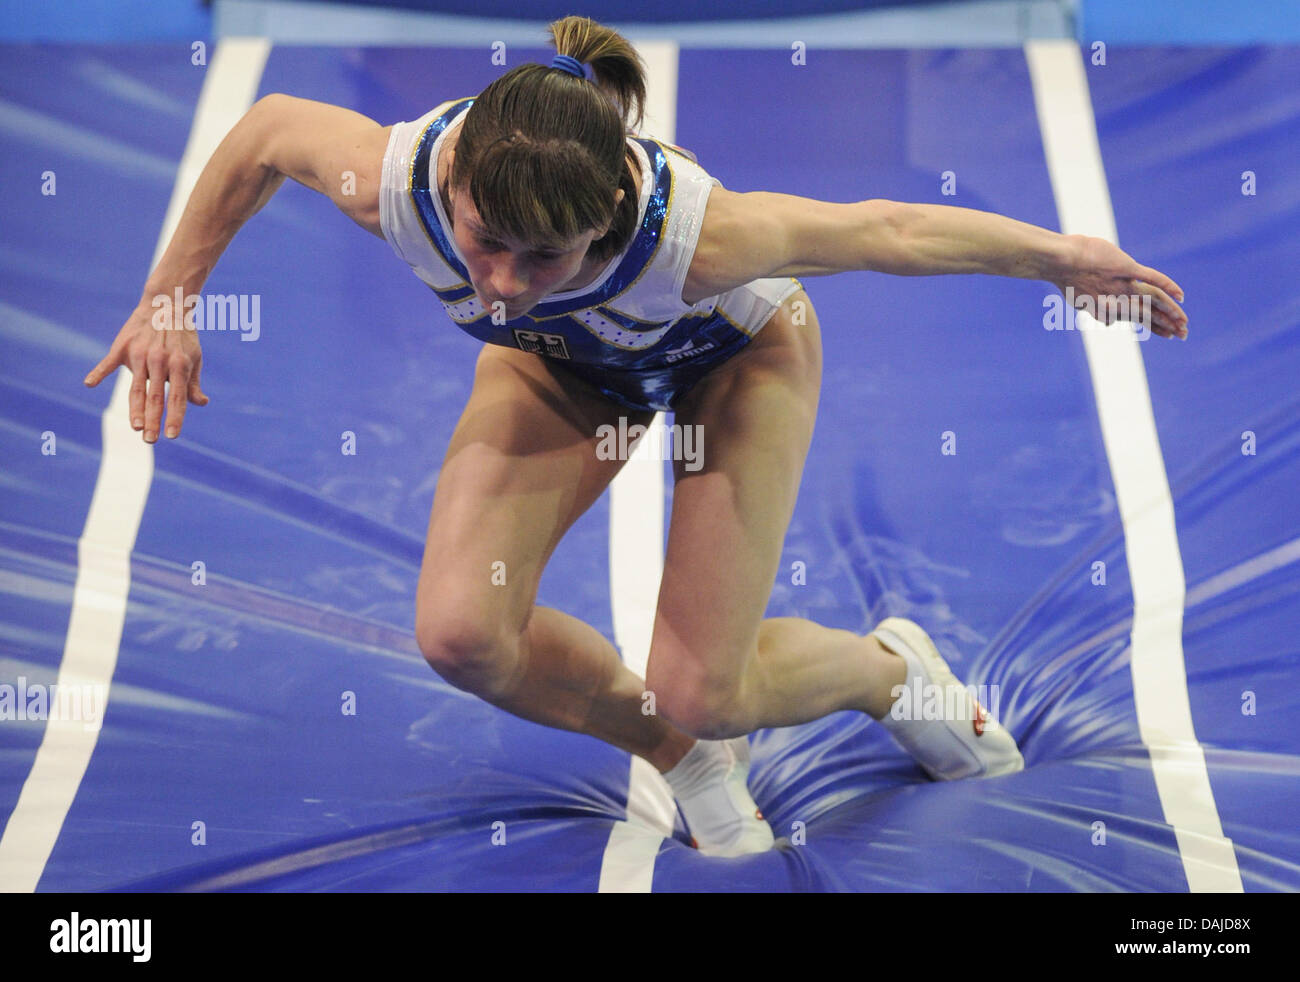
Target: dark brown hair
{"x":543,"y":151}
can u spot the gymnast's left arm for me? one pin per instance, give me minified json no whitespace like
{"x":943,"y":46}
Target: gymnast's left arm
{"x":748,"y":236}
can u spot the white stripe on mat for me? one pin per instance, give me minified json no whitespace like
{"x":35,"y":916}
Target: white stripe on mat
{"x":636,"y":543}
{"x":116,"y":506}
{"x":1141,"y":485}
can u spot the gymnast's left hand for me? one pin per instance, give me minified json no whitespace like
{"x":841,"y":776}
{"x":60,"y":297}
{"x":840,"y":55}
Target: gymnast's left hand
{"x":1102,"y":271}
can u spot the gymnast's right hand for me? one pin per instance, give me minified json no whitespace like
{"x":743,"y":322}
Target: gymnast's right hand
{"x":157,"y":350}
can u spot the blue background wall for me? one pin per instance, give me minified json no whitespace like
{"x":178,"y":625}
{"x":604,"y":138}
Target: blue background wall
{"x":1115,"y":21}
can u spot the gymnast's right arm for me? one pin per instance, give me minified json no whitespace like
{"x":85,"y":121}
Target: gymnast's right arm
{"x":335,"y":151}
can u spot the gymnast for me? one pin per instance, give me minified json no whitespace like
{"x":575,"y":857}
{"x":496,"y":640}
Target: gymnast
{"x":612,"y":277}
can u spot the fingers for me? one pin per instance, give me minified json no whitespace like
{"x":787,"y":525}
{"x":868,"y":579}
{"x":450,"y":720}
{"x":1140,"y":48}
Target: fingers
{"x":135,"y":398}
{"x":1157,"y":278}
{"x":179,"y":378}
{"x":157,"y":362}
{"x":106,"y":367}
{"x":169,"y":388}
{"x":196,"y":394}
{"x":1167,"y":318}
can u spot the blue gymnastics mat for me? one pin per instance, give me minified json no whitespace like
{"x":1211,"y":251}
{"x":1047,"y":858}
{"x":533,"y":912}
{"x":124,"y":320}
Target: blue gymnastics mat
{"x":223,"y":721}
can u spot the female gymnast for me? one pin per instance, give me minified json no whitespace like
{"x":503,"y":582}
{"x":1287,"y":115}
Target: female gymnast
{"x":612,"y":277}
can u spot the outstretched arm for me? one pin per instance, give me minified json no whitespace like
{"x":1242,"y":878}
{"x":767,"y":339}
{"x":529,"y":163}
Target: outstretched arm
{"x":313,"y":143}
{"x":749,"y":236}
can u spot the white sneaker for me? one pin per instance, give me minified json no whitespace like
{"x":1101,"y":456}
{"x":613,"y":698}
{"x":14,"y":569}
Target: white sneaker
{"x":937,"y":719}
{"x":711,"y":785}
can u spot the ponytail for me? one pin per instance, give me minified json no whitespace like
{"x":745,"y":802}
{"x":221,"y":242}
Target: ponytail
{"x":618,"y":69}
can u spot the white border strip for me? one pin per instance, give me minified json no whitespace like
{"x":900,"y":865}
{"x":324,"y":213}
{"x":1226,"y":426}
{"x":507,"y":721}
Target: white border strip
{"x":1141,"y":486}
{"x":116,"y":507}
{"x":636,"y":557}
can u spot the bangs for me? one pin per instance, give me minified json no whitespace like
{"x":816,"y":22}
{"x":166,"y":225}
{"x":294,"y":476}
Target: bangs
{"x":544,"y":194}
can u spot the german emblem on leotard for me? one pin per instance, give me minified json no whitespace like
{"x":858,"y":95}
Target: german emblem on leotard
{"x":542,"y":344}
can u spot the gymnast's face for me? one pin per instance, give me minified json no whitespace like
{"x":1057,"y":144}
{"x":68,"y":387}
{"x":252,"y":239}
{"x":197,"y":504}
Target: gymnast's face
{"x":513,"y":272}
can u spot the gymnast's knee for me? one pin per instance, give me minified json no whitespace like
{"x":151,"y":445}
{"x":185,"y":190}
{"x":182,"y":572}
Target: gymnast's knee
{"x":471,"y":654}
{"x":705,"y":710}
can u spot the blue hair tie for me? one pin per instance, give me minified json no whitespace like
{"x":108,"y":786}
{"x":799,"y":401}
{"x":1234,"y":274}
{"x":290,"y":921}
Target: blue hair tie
{"x":571,"y":65}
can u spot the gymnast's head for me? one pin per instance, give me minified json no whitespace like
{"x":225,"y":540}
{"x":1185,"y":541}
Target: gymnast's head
{"x":539,"y":181}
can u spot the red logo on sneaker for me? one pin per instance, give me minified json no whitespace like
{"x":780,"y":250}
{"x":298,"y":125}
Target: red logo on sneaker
{"x":758,"y":814}
{"x":978,"y":721}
